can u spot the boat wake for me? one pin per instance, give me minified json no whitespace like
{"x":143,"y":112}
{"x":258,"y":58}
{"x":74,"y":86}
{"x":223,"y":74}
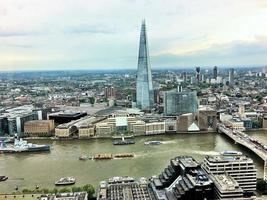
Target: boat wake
{"x":168,"y":142}
{"x":208,"y":153}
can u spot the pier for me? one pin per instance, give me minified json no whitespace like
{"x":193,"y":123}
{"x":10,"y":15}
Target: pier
{"x":250,"y":143}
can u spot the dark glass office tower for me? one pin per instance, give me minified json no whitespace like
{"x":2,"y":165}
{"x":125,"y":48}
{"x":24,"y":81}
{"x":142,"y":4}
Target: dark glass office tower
{"x":144,"y":87}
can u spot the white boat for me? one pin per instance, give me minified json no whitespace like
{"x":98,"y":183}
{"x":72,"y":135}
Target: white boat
{"x":231,"y":153}
{"x":65,"y":181}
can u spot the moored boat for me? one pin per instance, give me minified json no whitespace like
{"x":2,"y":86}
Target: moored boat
{"x":65,"y":181}
{"x":22,"y":146}
{"x":3,"y":178}
{"x":123,"y":155}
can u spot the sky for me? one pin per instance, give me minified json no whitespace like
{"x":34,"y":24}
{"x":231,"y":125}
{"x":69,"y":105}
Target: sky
{"x":104,"y":34}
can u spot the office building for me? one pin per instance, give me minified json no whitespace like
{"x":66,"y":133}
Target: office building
{"x":144,"y":86}
{"x":109,"y":92}
{"x":215,"y":72}
{"x":183,"y":179}
{"x":65,"y":117}
{"x":238,"y":166}
{"x":231,"y":77}
{"x":12,"y":120}
{"x":226,"y":187}
{"x":38,"y":128}
{"x":178,"y":103}
{"x":124,"y":188}
{"x":198,"y":78}
{"x":206,"y":118}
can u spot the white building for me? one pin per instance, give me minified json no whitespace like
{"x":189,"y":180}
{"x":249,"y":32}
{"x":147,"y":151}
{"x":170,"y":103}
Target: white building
{"x":238,"y":166}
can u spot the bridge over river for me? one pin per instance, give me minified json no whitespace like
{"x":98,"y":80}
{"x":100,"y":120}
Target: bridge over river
{"x":243,"y":139}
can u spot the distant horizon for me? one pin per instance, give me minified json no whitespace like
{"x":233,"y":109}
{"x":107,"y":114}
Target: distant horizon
{"x":134,"y":69}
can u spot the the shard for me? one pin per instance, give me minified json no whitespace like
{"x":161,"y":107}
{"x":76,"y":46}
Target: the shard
{"x":144,"y":86}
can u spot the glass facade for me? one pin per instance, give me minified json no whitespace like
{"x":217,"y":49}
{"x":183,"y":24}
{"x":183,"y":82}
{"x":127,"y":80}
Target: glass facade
{"x":144,"y":87}
{"x":178,"y":103}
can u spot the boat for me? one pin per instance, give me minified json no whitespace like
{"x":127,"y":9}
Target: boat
{"x":123,"y":142}
{"x":3,"y":178}
{"x":154,"y":142}
{"x":123,"y":155}
{"x":7,"y":139}
{"x":21,"y":145}
{"x":231,"y":153}
{"x":84,"y":157}
{"x":65,"y":181}
{"x":103,"y":156}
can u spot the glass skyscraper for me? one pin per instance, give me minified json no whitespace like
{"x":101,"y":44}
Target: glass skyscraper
{"x":178,"y":103}
{"x":144,"y":86}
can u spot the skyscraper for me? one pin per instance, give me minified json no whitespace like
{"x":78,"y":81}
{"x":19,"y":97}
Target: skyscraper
{"x":144,"y":87}
{"x":215,"y":72}
{"x":231,"y":76}
{"x":179,"y":102}
{"x":198,"y":74}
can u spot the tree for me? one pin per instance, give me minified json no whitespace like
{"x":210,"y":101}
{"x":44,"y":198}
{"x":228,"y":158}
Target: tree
{"x":64,"y":190}
{"x":261,"y":185}
{"x":92,"y":100}
{"x":256,"y":124}
{"x":89,"y":189}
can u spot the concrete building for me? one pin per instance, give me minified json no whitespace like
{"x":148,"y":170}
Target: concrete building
{"x":65,"y":196}
{"x":215,"y":72}
{"x":206,"y":118}
{"x":239,"y":167}
{"x":236,"y":124}
{"x":178,"y":103}
{"x":226,"y":187}
{"x":155,"y":128}
{"x":82,"y":128}
{"x":231,"y":76}
{"x":124,"y":188}
{"x":38,"y":128}
{"x":65,"y":117}
{"x":184,"y":121}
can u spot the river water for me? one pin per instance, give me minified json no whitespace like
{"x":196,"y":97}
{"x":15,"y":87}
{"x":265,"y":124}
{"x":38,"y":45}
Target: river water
{"x":43,"y":169}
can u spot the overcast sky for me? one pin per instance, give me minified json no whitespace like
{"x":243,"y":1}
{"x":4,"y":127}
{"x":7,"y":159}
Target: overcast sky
{"x":104,"y":34}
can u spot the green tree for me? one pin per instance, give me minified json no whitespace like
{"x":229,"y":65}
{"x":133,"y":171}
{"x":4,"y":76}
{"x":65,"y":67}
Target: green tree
{"x":89,"y":189}
{"x":92,"y":100}
{"x":261,"y":185}
{"x":256,"y":124}
{"x":76,"y":189}
{"x":64,"y":190}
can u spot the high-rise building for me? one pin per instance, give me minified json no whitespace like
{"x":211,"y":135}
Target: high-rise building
{"x":231,"y":76}
{"x":184,"y":77}
{"x":144,"y":87}
{"x":198,"y":75}
{"x":215,"y":72}
{"x":178,"y":103}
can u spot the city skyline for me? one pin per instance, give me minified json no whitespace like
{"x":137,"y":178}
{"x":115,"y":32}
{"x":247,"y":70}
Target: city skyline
{"x":44,"y":35}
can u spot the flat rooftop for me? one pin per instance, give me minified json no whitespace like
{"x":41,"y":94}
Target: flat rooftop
{"x":232,"y":158}
{"x":226,"y":183}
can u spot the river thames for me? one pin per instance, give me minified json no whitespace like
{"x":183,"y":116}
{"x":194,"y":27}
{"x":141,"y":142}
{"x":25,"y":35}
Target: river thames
{"x":43,"y":169}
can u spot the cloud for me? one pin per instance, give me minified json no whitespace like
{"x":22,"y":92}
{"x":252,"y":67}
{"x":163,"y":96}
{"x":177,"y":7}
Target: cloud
{"x":234,"y":53}
{"x":100,"y":33}
{"x":89,"y":29}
